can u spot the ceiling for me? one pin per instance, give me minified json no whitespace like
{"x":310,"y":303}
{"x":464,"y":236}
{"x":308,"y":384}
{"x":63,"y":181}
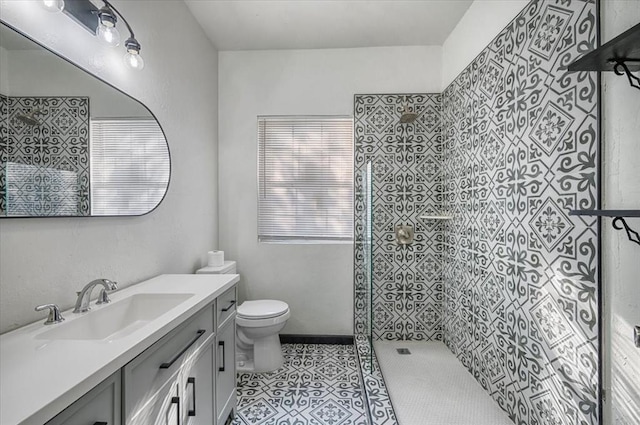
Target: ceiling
{"x":323,"y":24}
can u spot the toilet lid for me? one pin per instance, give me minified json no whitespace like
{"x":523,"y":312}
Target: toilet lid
{"x":262,"y":309}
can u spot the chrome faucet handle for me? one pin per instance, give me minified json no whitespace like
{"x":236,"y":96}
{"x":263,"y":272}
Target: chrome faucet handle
{"x":54,"y":313}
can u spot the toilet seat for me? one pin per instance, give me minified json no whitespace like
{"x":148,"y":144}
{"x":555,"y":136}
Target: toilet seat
{"x":262,"y":309}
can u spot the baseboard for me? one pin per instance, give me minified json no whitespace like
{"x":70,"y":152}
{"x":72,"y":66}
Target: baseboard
{"x":317,"y":339}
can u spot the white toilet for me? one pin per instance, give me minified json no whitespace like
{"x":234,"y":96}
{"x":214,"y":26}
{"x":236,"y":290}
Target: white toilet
{"x":258,"y":323}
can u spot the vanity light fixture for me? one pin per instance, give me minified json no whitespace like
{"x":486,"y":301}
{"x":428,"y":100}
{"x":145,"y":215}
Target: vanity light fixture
{"x":101,"y":22}
{"x":53,"y":5}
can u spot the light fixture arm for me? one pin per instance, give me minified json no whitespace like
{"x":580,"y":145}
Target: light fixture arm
{"x":112,"y":7}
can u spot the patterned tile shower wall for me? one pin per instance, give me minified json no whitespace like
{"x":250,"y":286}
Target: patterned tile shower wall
{"x":406,"y":158}
{"x":51,"y":158}
{"x":520,"y":151}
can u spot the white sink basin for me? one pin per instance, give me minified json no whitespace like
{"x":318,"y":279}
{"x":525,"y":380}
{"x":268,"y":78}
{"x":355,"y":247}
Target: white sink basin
{"x":117,"y":319}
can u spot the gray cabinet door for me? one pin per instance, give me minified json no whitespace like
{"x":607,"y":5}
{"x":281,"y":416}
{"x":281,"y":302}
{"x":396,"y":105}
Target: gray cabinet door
{"x":101,"y":405}
{"x":197,"y":385}
{"x":226,"y":370}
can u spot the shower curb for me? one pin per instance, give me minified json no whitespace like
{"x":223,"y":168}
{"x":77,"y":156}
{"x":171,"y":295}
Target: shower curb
{"x":378,"y":403}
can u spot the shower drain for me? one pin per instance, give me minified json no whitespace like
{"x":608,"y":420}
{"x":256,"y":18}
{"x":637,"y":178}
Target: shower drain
{"x":403,"y":351}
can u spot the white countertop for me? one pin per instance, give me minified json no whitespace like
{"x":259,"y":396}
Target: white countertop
{"x":39,"y":378}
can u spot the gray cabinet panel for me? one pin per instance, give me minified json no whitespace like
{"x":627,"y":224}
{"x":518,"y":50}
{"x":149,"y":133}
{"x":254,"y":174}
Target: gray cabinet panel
{"x":100,"y":405}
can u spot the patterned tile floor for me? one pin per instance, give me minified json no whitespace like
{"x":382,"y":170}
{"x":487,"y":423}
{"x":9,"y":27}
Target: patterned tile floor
{"x":319,"y":384}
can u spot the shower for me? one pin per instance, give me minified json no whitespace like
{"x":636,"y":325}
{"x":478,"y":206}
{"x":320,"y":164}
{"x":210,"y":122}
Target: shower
{"x":408,"y":116}
{"x":399,"y":310}
{"x":29,"y":118}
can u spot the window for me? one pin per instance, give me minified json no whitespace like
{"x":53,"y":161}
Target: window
{"x":129,"y":166}
{"x":305,"y":178}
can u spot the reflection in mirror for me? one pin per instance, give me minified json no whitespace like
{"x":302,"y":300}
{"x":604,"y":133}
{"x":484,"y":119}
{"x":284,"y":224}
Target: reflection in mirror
{"x":70,"y":144}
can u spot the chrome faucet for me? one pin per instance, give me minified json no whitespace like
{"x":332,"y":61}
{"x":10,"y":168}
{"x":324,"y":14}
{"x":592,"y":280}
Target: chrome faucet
{"x":84,"y":296}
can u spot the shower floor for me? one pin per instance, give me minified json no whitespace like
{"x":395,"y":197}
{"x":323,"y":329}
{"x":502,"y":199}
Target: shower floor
{"x":431,"y":387}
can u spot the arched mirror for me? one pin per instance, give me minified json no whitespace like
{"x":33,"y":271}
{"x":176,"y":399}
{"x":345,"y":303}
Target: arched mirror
{"x":71,"y":144}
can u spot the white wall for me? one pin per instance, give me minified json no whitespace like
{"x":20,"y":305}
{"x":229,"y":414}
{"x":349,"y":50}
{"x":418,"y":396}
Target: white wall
{"x":47,"y":260}
{"x":316,"y":280}
{"x":4,"y":74}
{"x":478,"y":27}
{"x":621,"y":190}
{"x":41,"y":73}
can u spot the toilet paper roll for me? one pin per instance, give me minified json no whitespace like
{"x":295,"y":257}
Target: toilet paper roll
{"x":215,"y":258}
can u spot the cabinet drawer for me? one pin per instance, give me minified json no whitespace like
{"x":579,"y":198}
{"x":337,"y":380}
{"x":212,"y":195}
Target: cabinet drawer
{"x":226,"y":306}
{"x":150,"y":371}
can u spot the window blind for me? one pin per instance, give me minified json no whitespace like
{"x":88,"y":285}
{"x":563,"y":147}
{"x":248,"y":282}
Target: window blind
{"x":129,"y":166}
{"x":305,"y":178}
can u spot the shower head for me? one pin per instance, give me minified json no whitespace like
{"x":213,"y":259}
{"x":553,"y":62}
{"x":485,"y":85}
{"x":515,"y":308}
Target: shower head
{"x":29,"y":118}
{"x":407,"y":116}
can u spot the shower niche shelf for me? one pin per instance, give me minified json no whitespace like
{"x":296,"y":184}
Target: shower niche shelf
{"x":618,"y":222}
{"x":620,"y":55}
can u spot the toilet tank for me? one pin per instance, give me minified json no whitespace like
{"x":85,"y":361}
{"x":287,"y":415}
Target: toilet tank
{"x":229,"y":267}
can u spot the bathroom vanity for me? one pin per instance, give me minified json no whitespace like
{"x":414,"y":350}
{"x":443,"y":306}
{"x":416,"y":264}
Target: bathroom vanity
{"x":163,"y":351}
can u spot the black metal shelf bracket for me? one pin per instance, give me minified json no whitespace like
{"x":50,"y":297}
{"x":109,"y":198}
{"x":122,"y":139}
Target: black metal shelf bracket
{"x":620,"y":55}
{"x":620,"y":68}
{"x":619,"y":223}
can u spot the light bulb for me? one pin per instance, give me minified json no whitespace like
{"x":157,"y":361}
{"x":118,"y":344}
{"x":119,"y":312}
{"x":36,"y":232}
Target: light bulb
{"x":53,"y":5}
{"x":133,"y":60}
{"x":109,"y":34}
